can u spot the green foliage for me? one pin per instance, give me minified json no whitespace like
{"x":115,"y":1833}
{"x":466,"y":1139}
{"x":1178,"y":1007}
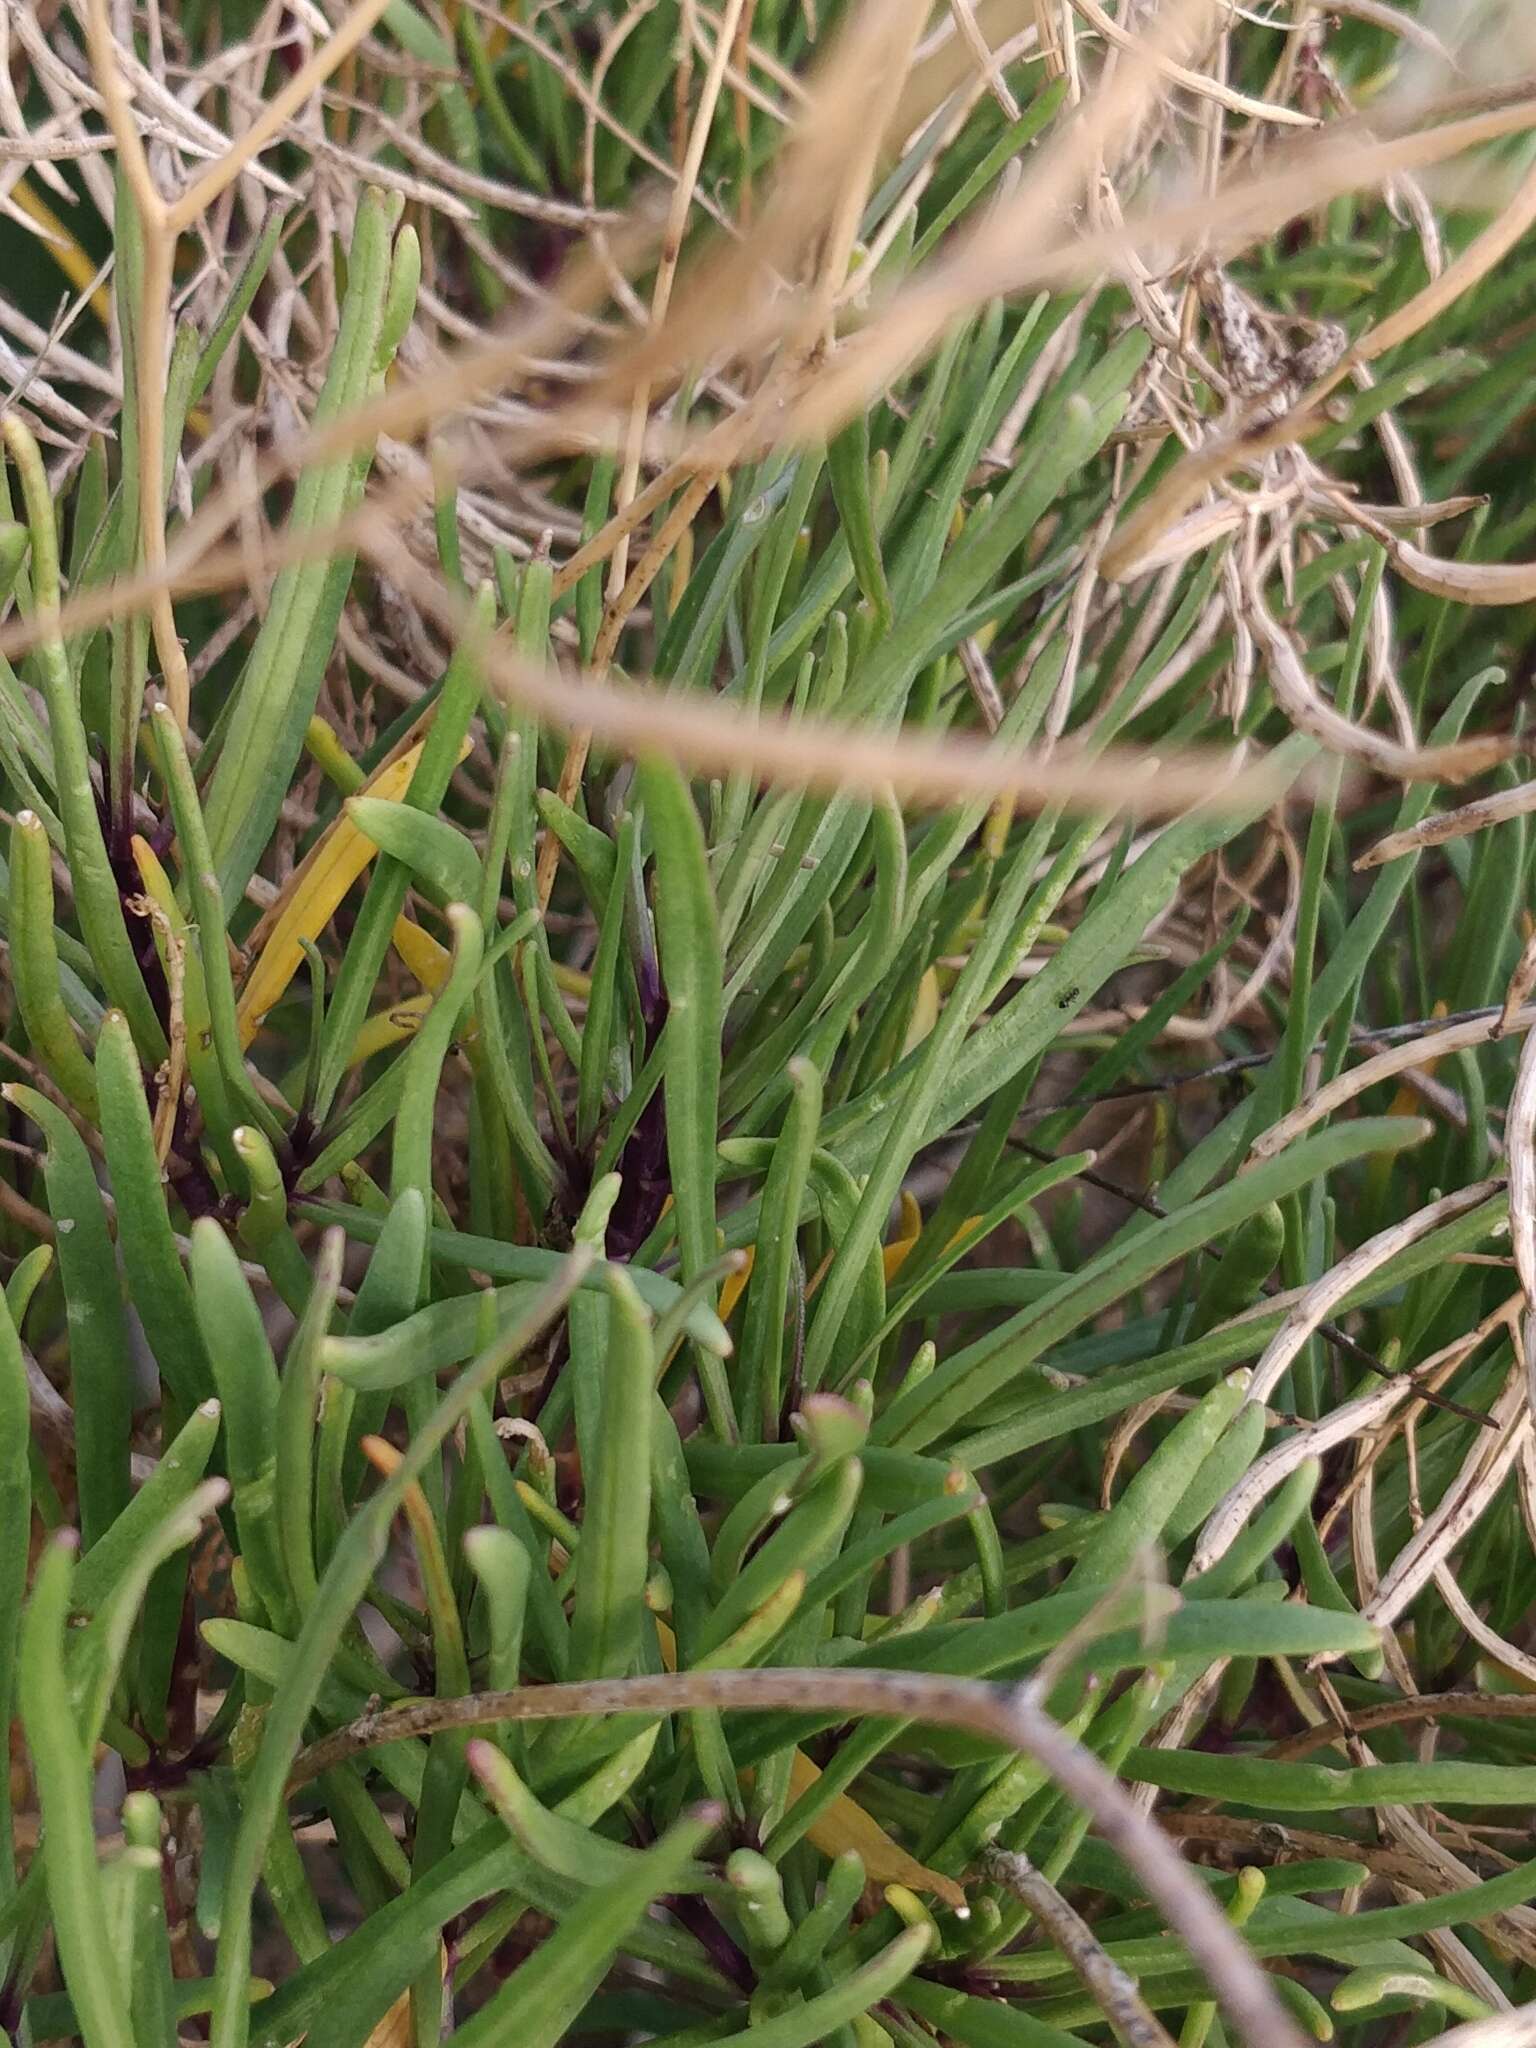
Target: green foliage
{"x":822,"y":1235}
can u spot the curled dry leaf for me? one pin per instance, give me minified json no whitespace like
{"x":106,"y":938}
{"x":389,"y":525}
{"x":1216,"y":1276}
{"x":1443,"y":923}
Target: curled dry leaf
{"x":1483,"y":1472}
{"x":1497,"y":809}
{"x":1515,"y":1661}
{"x":1232,"y":1512}
{"x":1521,"y":983}
{"x":846,"y":1825}
{"x":1303,"y":703}
{"x":1413,"y":516}
{"x":1319,"y":1301}
{"x":1397,"y":1059}
{"x":1477,"y":583}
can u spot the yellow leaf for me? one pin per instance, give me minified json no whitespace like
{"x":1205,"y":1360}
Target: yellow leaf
{"x":572,"y":982}
{"x":385,"y":1459}
{"x":388,"y":1027}
{"x":925,"y":1011}
{"x":313,"y":894}
{"x":895,"y":1253}
{"x":908,"y":1232}
{"x":895,"y":1256}
{"x":395,"y":2029}
{"x":157,"y":883}
{"x":430,"y":963}
{"x":735,"y":1284}
{"x":427,"y":960}
{"x":66,"y":252}
{"x":845,"y":1825}
{"x":899,"y":1250}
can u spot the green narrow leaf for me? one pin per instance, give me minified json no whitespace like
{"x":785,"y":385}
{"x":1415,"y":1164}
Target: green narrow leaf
{"x":762,"y":1337}
{"x":97,"y":902}
{"x":162,"y":1297}
{"x":692,"y":970}
{"x":342,"y":1585}
{"x":35,"y":965}
{"x":615,"y":1522}
{"x":435,"y":851}
{"x":918,"y":1417}
{"x":62,"y":1766}
{"x":100,"y":1360}
{"x":278,"y":688}
{"x":295,"y":1423}
{"x":416,"y":1118}
{"x":546,"y":1994}
{"x":178,"y":1470}
{"x":245,"y":1373}
{"x":15,"y":1529}
{"x":603,"y":996}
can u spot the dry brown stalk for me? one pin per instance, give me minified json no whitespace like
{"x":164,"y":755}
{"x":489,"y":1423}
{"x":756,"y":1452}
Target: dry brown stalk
{"x":1520,"y":1144}
{"x":152,"y":342}
{"x":1012,"y":1716}
{"x":1318,"y":1301}
{"x":1112,"y":1988}
{"x":1429,"y":1374}
{"x":1423,"y":1706}
{"x":1197,"y":82}
{"x":711,"y":735}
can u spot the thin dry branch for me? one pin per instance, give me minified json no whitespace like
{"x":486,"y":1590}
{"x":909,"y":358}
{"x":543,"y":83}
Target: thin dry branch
{"x":1304,"y":704}
{"x":1422,"y":1706}
{"x":1010,"y":1716}
{"x":625,"y":591}
{"x":1520,"y":1143}
{"x":851,"y":377}
{"x":1461,"y":1036}
{"x":1515,"y":2029}
{"x":1238,"y":218}
{"x":1112,"y":1989}
{"x":269,"y":124}
{"x":1473,"y":583}
{"x":1340,"y":1425}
